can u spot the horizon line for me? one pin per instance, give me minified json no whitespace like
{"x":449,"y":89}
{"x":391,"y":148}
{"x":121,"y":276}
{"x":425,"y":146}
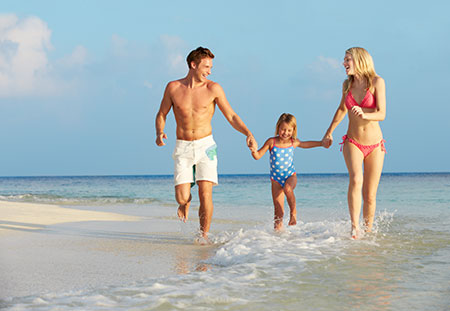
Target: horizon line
{"x":224,"y":175}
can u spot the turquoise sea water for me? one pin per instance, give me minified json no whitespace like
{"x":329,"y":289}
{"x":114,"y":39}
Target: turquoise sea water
{"x":403,"y":265}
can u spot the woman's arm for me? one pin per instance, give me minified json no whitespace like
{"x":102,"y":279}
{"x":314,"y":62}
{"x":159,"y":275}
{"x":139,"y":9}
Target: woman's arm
{"x":338,"y":117}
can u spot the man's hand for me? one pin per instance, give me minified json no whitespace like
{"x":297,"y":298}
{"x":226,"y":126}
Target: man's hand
{"x":159,"y":139}
{"x":251,"y":143}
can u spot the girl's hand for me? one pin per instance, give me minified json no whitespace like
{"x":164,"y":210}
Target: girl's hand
{"x":327,"y":141}
{"x":251,"y":143}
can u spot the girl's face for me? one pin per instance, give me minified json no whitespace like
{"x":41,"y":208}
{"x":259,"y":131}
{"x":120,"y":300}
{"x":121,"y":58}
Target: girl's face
{"x":285,"y":131}
{"x":349,"y":64}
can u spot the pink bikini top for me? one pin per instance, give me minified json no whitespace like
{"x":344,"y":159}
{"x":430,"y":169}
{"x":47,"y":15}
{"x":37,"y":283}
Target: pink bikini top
{"x":367,"y":102}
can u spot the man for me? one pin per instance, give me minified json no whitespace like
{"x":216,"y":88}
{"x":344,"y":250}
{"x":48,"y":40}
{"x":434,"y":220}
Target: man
{"x":193,"y":100}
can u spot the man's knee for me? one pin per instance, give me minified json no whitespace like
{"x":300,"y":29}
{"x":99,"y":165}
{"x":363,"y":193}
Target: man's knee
{"x":205,"y":191}
{"x":182,"y":195}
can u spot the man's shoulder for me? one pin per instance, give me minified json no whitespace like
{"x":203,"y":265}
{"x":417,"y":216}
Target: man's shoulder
{"x":175,"y":83}
{"x":214,"y":86}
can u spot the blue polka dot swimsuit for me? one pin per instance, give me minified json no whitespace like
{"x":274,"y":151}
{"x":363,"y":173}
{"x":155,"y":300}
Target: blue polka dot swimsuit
{"x":281,"y":163}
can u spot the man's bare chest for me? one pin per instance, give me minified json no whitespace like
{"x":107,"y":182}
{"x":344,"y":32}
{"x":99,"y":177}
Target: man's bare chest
{"x":193,"y":99}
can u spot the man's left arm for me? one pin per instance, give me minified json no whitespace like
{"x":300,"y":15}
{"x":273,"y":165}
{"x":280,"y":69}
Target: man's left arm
{"x":231,"y":116}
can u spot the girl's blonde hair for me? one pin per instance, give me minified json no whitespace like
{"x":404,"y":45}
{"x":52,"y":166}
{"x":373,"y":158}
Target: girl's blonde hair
{"x":364,"y":68}
{"x":290,"y":120}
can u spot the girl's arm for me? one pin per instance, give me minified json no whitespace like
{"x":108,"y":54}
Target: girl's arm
{"x":258,"y":154}
{"x":338,"y":117}
{"x":308,"y":144}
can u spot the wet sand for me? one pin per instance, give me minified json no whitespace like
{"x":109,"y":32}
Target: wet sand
{"x":47,"y":249}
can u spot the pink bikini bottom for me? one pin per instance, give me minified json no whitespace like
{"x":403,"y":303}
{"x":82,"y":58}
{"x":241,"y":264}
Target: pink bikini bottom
{"x":365,"y":149}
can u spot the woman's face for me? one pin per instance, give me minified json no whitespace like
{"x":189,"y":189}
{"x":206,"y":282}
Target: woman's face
{"x":348,"y":64}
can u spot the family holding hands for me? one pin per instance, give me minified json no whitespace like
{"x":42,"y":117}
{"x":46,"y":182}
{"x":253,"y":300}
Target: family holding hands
{"x":194,"y":98}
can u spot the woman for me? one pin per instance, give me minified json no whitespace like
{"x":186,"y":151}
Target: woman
{"x":364,"y":98}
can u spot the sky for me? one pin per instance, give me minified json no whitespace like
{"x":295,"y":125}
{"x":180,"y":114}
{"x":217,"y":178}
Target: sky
{"x":81,"y":81}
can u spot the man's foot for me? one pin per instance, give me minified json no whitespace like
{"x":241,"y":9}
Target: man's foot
{"x":278,"y":225}
{"x":202,"y":239}
{"x":183,"y":210}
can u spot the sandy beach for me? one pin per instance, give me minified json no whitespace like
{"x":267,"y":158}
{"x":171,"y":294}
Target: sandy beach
{"x":48,"y":248}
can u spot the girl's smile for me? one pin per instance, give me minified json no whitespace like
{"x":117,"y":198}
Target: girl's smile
{"x":285,"y":131}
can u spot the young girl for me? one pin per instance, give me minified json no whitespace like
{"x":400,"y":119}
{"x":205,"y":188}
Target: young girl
{"x":282,"y":170}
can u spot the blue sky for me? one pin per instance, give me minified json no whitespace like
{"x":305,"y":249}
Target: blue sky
{"x":81,"y":81}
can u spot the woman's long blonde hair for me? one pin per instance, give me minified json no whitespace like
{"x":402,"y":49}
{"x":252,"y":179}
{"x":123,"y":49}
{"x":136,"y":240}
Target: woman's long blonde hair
{"x":290,"y":120}
{"x":364,"y":68}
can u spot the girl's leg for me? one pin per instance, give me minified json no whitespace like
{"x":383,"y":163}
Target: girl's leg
{"x":354,"y":159}
{"x":288,"y":189}
{"x":278,"y":203}
{"x":373,"y":165}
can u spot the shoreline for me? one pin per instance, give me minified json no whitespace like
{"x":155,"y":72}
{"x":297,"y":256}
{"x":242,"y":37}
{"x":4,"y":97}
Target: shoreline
{"x":32,"y":216}
{"x":47,"y":248}
{"x":170,"y":175}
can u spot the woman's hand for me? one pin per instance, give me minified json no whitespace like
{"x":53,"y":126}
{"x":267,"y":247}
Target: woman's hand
{"x":357,"y":111}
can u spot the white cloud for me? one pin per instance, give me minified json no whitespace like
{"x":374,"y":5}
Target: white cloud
{"x":161,"y":60}
{"x":325,"y":67}
{"x":324,"y":78}
{"x":25,"y":69}
{"x":77,"y":58}
{"x":148,"y":85}
{"x":175,"y":49}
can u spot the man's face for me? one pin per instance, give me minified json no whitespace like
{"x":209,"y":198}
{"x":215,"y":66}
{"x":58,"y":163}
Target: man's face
{"x":203,"y":69}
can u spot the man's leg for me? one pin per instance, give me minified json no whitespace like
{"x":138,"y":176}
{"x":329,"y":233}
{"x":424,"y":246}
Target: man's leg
{"x":205,"y":211}
{"x":183,"y":197}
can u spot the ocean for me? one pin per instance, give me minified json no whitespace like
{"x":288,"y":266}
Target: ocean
{"x":404,"y":264}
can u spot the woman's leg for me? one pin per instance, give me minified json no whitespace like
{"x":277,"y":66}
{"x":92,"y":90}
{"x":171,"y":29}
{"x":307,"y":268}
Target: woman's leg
{"x":278,"y":203}
{"x":373,"y":165}
{"x":354,"y":159}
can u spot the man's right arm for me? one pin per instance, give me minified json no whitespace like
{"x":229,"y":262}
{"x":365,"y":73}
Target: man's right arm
{"x":160,"y":122}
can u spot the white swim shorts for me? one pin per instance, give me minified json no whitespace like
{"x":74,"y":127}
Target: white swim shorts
{"x":195,"y":160}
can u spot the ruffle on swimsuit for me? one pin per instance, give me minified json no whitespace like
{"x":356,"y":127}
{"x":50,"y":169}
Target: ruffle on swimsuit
{"x":365,"y":149}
